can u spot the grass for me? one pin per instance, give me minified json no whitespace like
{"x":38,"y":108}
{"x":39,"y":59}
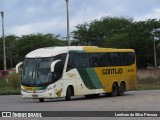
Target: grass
{"x":10,"y":85}
{"x":148,"y":79}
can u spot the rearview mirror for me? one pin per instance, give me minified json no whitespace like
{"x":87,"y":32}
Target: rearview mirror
{"x":18,"y":67}
{"x":53,"y":65}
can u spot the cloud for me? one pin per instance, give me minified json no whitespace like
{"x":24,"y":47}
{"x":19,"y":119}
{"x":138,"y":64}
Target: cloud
{"x":151,"y":15}
{"x":49,"y":16}
{"x":52,"y":26}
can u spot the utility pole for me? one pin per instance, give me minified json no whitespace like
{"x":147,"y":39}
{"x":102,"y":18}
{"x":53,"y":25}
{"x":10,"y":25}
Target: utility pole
{"x":68,"y":36}
{"x":155,"y":55}
{"x":154,"y":47}
{"x":4,"y":48}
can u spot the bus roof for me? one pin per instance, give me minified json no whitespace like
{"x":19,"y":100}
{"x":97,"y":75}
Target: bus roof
{"x":53,"y":51}
{"x":99,"y":49}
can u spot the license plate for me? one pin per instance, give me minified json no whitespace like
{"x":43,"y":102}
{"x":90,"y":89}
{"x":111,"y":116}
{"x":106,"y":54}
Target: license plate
{"x":35,"y":95}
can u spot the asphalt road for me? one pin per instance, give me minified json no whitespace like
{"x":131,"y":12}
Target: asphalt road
{"x":148,"y":100}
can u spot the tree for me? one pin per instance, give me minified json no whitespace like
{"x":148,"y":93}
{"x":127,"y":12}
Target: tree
{"x":96,"y":32}
{"x":118,"y":41}
{"x":10,"y":43}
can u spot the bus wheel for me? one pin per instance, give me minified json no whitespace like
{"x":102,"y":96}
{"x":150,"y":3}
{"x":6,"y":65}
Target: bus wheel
{"x":68,"y":94}
{"x":121,"y":89}
{"x":114,"y":90}
{"x":41,"y":100}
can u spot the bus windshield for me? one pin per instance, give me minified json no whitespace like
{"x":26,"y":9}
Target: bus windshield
{"x":36,"y":72}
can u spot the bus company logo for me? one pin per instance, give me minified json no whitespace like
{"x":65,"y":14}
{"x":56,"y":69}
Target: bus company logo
{"x":58,"y":93}
{"x":71,"y":75}
{"x":6,"y":114}
{"x":112,"y":71}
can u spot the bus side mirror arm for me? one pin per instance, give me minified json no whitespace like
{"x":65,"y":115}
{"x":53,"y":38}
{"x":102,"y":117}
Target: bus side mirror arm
{"x":53,"y":65}
{"x":17,"y":67}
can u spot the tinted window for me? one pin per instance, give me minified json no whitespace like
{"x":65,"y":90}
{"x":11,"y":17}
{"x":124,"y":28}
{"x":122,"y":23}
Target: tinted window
{"x":83,"y":60}
{"x":59,"y":66}
{"x":72,"y":61}
{"x":94,"y":59}
{"x":131,"y":57}
{"x":124,"y":59}
{"x":105,"y":60}
{"x":86,"y":60}
{"x":115,"y":59}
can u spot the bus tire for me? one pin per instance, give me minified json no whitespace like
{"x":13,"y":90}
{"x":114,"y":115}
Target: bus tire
{"x":121,"y":89}
{"x":114,"y":90}
{"x":41,"y":100}
{"x":68,"y":94}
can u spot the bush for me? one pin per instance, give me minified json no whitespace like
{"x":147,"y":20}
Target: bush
{"x":10,"y":85}
{"x":147,"y":80}
{"x":14,"y":80}
{"x":4,"y":82}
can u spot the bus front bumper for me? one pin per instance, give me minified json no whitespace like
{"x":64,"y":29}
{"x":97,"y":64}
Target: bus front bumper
{"x":37,"y":95}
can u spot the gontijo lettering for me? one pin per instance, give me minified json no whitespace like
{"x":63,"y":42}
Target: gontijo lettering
{"x":112,"y":71}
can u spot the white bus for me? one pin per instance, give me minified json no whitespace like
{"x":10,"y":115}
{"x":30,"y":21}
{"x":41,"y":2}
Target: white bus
{"x":55,"y":72}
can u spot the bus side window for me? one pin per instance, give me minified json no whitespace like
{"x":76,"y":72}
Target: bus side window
{"x":131,"y":57}
{"x":123,"y":59}
{"x":72,"y":61}
{"x":105,"y":60}
{"x":112,"y":60}
{"x":94,"y":60}
{"x":59,"y":66}
{"x":127,"y":58}
{"x":83,"y":60}
{"x":58,"y":71}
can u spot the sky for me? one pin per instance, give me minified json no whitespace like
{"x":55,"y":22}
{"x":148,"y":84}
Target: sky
{"x":23,"y":17}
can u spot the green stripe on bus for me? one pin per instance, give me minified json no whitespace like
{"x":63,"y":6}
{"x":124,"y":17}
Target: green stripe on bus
{"x":86,"y":78}
{"x":90,"y":78}
{"x":93,"y":77}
